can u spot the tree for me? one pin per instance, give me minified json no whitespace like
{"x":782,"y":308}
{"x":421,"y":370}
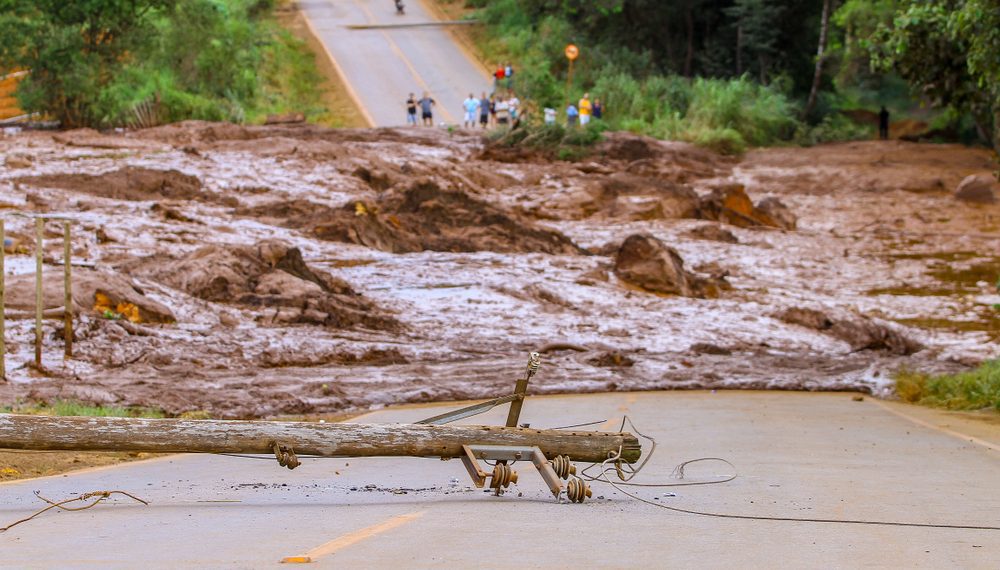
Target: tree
{"x":947,"y":49}
{"x":820,"y":58}
{"x":72,"y":49}
{"x":757,"y":33}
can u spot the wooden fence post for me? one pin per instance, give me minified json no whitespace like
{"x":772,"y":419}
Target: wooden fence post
{"x":3,"y":314}
{"x":39,"y":231}
{"x":68,"y":286}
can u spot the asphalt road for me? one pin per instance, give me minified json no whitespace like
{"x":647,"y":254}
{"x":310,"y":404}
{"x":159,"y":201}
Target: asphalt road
{"x":383,"y":65}
{"x":797,"y":454}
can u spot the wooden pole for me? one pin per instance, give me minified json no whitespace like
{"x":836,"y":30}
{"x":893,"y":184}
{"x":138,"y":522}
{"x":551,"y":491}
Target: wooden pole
{"x":68,"y":286}
{"x":327,"y":440}
{"x":569,"y":82}
{"x":39,"y":231}
{"x":3,"y":314}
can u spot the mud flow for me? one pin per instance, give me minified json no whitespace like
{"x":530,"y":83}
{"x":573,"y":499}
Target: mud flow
{"x":260,"y":271}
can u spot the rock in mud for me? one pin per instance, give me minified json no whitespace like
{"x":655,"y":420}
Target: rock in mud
{"x":626,"y":146}
{"x":977,"y":189}
{"x":632,"y":197}
{"x":861,"y":333}
{"x":611,"y":359}
{"x":773,"y":209}
{"x":423,"y":216}
{"x":100,"y":293}
{"x":18,"y":161}
{"x":730,"y":204}
{"x":646,"y":262}
{"x":271,"y":276}
{"x":132,"y":183}
{"x":712,"y":232}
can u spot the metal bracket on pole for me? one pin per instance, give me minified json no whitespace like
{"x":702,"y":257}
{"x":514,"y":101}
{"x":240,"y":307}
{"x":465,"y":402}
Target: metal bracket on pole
{"x":552,"y":472}
{"x":516,"y":400}
{"x":502,"y":476}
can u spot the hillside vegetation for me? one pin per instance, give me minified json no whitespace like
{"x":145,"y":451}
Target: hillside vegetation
{"x":104,"y":63}
{"x":732,"y":73}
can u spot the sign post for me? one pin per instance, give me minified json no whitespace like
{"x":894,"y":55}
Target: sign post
{"x":572,"y":52}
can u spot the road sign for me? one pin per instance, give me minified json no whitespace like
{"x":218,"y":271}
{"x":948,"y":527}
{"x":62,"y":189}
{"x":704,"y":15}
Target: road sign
{"x":572,"y":52}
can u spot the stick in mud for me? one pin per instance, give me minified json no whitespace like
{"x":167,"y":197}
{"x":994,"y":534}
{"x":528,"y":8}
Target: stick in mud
{"x":68,"y":285}
{"x":3,"y":315}
{"x":39,"y":230}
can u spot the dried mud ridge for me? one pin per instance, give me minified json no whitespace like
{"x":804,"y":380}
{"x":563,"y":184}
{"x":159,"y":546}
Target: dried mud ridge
{"x":260,"y":271}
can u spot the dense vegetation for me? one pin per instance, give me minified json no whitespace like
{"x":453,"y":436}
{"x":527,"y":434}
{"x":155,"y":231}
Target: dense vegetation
{"x":119,"y":62}
{"x":736,"y":72}
{"x":971,"y":390}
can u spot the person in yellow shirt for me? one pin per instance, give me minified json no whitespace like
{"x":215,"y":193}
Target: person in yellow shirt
{"x":586,"y":109}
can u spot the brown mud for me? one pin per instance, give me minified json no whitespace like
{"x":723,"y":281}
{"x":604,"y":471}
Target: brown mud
{"x":256,"y":271}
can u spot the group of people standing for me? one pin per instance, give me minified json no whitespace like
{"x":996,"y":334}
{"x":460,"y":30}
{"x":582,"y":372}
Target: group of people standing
{"x":492,"y":110}
{"x":499,"y":109}
{"x":485,"y":110}
{"x":582,"y":112}
{"x":426,"y":106}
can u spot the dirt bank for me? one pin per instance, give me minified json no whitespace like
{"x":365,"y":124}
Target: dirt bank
{"x":310,"y":270}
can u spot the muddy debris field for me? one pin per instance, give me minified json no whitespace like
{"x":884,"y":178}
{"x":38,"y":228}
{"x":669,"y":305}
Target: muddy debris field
{"x":295,"y":270}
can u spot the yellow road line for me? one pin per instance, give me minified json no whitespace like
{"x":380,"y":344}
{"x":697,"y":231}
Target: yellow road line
{"x":340,"y":73}
{"x":352,"y":538}
{"x":926,"y":424}
{"x":406,"y":61}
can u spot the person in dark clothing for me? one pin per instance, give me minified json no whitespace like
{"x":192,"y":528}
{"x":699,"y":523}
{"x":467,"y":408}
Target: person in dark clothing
{"x":411,"y":111}
{"x":426,"y":109}
{"x":883,"y":124}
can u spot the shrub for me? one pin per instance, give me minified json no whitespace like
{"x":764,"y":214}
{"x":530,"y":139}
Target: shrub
{"x":722,"y":141}
{"x":832,"y":128}
{"x":974,"y":389}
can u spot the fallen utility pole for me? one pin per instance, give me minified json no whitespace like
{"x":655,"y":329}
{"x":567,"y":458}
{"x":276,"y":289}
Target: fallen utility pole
{"x":551,"y":452}
{"x":326,"y":440}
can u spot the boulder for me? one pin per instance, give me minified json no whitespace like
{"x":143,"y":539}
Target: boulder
{"x":18,"y":161}
{"x":646,"y":262}
{"x":860,"y":332}
{"x":270,"y":276}
{"x":977,"y":189}
{"x":100,"y":293}
{"x":730,"y":204}
{"x":777,"y":212}
{"x":712,"y":232}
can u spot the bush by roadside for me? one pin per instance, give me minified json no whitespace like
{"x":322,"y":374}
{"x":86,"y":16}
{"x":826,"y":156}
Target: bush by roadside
{"x":971,"y":390}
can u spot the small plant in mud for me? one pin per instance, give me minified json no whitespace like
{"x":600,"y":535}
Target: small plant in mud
{"x":111,"y":315}
{"x":73,"y":408}
{"x":554,"y":140}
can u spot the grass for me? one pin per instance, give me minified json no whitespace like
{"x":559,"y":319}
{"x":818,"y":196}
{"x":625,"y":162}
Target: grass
{"x":73,"y":408}
{"x":972,"y":390}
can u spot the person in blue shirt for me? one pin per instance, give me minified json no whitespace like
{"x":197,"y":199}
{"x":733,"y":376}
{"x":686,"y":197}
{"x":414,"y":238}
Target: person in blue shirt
{"x":427,"y":104}
{"x":571,"y":115}
{"x":471,"y":106}
{"x":484,"y":110}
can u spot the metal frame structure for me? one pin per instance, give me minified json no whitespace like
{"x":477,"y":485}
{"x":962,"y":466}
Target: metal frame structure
{"x":552,"y":472}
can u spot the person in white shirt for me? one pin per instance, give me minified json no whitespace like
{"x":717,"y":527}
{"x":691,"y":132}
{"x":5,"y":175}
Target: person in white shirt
{"x":514,"y":104}
{"x":471,"y":106}
{"x":503,"y":112}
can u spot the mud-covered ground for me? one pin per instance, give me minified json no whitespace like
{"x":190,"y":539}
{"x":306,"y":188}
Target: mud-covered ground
{"x":257,"y":271}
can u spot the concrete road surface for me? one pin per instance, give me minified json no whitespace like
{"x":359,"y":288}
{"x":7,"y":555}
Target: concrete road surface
{"x":798,"y":454}
{"x":383,"y":65}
